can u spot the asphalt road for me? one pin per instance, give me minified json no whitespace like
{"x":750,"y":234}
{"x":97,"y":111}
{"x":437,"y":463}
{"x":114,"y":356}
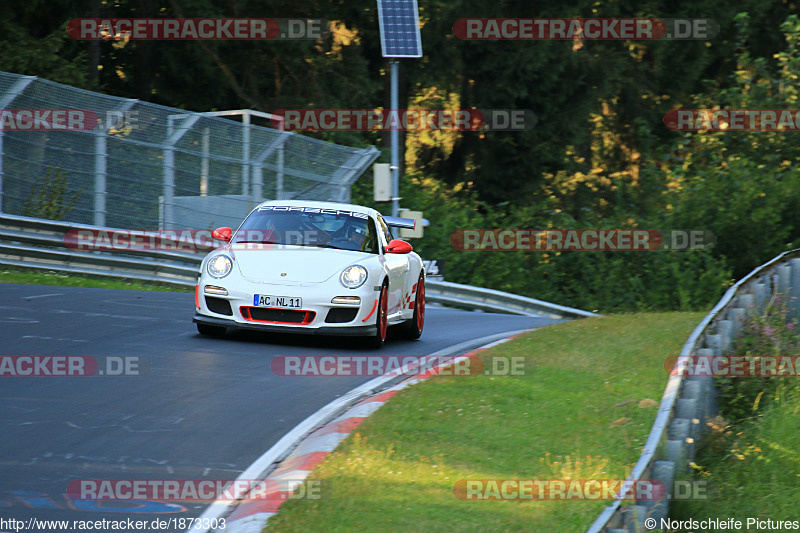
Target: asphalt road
{"x":200,"y":408}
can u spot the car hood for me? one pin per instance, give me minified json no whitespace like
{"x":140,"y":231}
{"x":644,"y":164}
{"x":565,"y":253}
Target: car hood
{"x":292,"y":264}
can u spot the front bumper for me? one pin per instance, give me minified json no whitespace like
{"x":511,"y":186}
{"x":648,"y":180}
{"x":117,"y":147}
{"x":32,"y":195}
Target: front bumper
{"x":238,"y":309}
{"x":276,"y":328}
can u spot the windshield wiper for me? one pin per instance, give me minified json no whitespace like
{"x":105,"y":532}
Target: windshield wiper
{"x":318,"y":245}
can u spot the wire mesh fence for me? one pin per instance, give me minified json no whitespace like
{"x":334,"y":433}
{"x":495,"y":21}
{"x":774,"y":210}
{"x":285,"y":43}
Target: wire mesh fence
{"x":81,"y":156}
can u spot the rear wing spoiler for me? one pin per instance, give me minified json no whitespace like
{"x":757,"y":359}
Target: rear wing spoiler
{"x":400,"y":222}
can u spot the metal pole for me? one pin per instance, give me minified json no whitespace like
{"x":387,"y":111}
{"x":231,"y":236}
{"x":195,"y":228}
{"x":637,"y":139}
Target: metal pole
{"x":279,"y":177}
{"x":169,"y":188}
{"x":173,"y":136}
{"x":258,"y":182}
{"x":100,"y":151}
{"x":204,"y":163}
{"x":168,"y":194}
{"x":246,"y":155}
{"x":101,"y":158}
{"x":1,"y":170}
{"x":258,"y":165}
{"x":257,"y":179}
{"x":395,"y":141}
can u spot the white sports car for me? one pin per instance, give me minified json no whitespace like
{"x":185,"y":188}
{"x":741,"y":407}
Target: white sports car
{"x":312,"y":267}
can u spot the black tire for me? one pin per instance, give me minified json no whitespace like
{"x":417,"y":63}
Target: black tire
{"x":211,"y":331}
{"x":377,"y":339}
{"x":412,"y":329}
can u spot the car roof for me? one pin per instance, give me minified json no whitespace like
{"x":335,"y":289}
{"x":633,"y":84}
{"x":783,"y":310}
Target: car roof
{"x":325,"y":205}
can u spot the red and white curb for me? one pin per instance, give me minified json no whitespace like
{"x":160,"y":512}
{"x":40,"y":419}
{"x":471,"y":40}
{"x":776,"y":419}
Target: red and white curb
{"x":310,"y":449}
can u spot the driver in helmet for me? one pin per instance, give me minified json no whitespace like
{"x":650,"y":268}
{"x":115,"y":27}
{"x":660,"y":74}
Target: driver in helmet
{"x":356,"y":236}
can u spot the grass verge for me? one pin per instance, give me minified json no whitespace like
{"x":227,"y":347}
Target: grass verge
{"x":750,"y":462}
{"x":64,"y":279}
{"x":751,"y":470}
{"x":580,"y":411}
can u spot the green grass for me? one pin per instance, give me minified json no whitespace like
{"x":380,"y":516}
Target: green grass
{"x":574,"y":414}
{"x":752,"y":467}
{"x":758,"y":473}
{"x":38,"y":277}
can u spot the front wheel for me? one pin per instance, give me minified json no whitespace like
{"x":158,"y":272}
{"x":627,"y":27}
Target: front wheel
{"x":381,"y":322}
{"x":412,"y":329}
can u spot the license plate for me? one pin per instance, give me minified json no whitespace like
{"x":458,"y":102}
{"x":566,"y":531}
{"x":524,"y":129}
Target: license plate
{"x":286,"y":302}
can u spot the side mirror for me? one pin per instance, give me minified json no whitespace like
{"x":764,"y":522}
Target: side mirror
{"x":222,"y":234}
{"x":396,"y":246}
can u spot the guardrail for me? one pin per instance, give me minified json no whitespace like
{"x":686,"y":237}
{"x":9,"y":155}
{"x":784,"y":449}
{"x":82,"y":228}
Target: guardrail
{"x":688,"y":403}
{"x":36,"y":243}
{"x":457,"y":295}
{"x":40,"y":244}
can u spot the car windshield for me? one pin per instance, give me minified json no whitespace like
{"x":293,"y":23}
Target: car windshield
{"x":305,"y":226}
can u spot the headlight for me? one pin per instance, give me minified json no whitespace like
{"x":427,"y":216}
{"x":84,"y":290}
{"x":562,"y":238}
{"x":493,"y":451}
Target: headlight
{"x":353,"y":276}
{"x":219,"y":266}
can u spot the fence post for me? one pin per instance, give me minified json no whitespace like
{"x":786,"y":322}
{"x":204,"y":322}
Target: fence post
{"x":794,"y":290}
{"x":100,"y":152}
{"x":168,"y":198}
{"x":784,"y":279}
{"x":204,"y":162}
{"x":279,"y":175}
{"x":246,"y":153}
{"x":258,"y":165}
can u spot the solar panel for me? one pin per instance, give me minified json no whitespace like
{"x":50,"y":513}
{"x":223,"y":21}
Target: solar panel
{"x":399,"y":24}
